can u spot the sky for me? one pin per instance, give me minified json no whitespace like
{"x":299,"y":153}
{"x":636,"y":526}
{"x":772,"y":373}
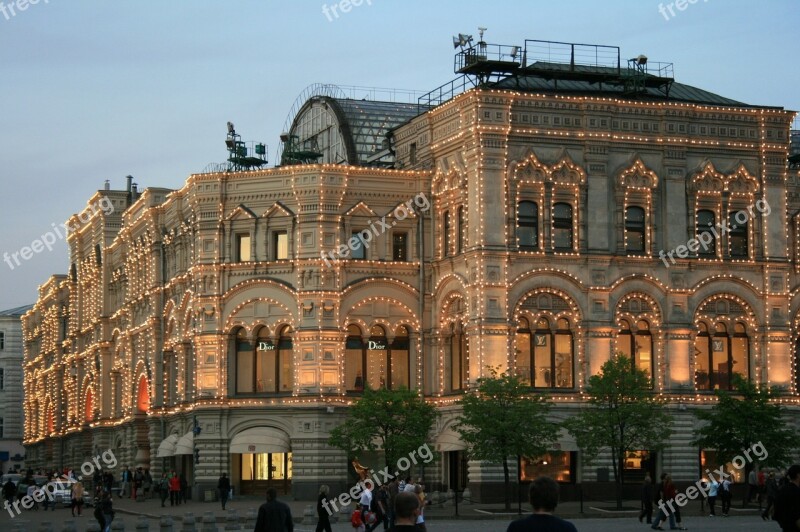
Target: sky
{"x":96,"y":90}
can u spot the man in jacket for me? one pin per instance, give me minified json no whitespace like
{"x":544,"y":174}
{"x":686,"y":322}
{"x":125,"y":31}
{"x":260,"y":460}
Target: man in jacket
{"x":224,"y":487}
{"x":787,"y":503}
{"x":274,"y":516}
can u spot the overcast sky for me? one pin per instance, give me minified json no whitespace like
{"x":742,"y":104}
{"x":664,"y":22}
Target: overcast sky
{"x":93,"y":90}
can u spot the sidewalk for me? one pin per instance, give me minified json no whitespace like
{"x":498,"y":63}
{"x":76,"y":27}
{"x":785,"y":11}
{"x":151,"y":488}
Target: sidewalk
{"x":569,"y":510}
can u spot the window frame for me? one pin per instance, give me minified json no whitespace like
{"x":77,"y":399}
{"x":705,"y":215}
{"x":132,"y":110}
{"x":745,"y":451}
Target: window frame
{"x":276,"y":245}
{"x":240,"y":237}
{"x":641,"y":230}
{"x":403,"y":246}
{"x":736,"y":231}
{"x":529,"y":222}
{"x":564,"y":224}
{"x":702,"y":252}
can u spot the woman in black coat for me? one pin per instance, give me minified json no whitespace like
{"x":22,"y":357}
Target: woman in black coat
{"x":323,"y":517}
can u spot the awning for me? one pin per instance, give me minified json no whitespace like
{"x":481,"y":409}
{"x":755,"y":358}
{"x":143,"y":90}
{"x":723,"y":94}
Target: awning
{"x":260,"y":440}
{"x":167,"y":447}
{"x":186,"y":444}
{"x":449,"y":440}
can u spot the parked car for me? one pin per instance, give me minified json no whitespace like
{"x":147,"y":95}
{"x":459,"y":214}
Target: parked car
{"x":63,"y":491}
{"x":13,"y":477}
{"x":22,"y":485}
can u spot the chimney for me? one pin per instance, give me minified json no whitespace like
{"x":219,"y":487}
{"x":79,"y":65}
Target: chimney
{"x":134,"y":192}
{"x":130,"y":180}
{"x":107,"y":186}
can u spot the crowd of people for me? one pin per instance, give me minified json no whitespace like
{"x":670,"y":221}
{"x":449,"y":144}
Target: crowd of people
{"x":776,"y":492}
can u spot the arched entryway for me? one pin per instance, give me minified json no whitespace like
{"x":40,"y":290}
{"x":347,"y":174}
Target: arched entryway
{"x":262,"y":459}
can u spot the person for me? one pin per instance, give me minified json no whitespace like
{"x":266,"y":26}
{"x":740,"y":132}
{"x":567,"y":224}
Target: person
{"x":771,"y":491}
{"x":647,"y":499}
{"x":713,"y":490}
{"x":762,"y":488}
{"x":323,"y":518}
{"x":124,"y":482}
{"x":544,"y":499}
{"x":224,"y":487}
{"x":356,"y":520}
{"x":30,"y":492}
{"x":274,"y":515}
{"x":669,"y":493}
{"x":725,"y":495}
{"x":752,"y":485}
{"x":174,"y":490}
{"x":76,"y":497}
{"x":9,"y":491}
{"x":184,"y":487}
{"x":107,"y":509}
{"x":406,"y":509}
{"x":787,"y":502}
{"x":392,"y":490}
{"x":409,"y":486}
{"x":147,"y":483}
{"x":163,"y":488}
{"x":420,"y":492}
{"x":138,"y":477}
{"x":98,"y":506}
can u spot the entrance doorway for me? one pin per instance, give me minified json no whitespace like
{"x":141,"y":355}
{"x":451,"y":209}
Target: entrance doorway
{"x":456,"y":470}
{"x":260,"y":471}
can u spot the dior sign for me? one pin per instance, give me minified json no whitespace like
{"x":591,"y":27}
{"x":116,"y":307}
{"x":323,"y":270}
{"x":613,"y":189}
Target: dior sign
{"x":266,"y":346}
{"x":375,"y":346}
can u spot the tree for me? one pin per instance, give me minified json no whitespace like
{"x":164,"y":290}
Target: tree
{"x":743,"y":419}
{"x":397,"y":421}
{"x":622,"y":415}
{"x":503,"y":419}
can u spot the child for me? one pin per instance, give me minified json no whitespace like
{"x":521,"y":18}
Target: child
{"x":357,"y":521}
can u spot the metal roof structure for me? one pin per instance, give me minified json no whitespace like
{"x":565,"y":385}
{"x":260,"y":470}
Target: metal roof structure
{"x":347,"y":130}
{"x":18,"y":311}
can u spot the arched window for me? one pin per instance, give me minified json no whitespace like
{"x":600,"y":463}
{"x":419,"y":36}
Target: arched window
{"x":461,"y":234}
{"x":562,"y":227}
{"x":285,"y":360}
{"x":458,"y":359}
{"x":705,"y":234}
{"x":523,"y":351}
{"x":354,"y":360}
{"x":528,"y":225}
{"x":264,"y":366}
{"x":245,"y":363}
{"x":634,"y":230}
{"x":143,"y":395}
{"x":737,"y":235}
{"x":377,"y":358}
{"x":89,"y":406}
{"x":399,"y":360}
{"x":446,"y":234}
{"x":552,"y":350}
{"x":720,"y":354}
{"x":637,"y":345}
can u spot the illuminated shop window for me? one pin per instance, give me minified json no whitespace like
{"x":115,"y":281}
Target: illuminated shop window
{"x":551,"y":363}
{"x":708,"y":460}
{"x":637,"y":344}
{"x":720,"y":354}
{"x":558,"y":465}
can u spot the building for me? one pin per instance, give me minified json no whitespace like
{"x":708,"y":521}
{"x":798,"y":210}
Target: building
{"x":12,"y":453}
{"x":542,"y":220}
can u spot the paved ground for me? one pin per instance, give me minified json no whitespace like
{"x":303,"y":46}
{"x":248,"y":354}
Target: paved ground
{"x":439,"y":519}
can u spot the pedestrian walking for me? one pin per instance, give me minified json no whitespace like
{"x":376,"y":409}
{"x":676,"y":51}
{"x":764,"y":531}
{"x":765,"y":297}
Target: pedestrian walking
{"x":713,"y":490}
{"x":174,"y":490}
{"x":163,"y":488}
{"x":647,"y":500}
{"x":224,"y":488}
{"x":184,"y":487}
{"x":124,"y":482}
{"x":771,"y":491}
{"x":752,"y":486}
{"x":76,"y":498}
{"x":323,"y":518}
{"x":107,"y":509}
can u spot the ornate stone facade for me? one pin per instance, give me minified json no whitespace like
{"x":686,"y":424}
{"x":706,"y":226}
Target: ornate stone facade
{"x":549,"y":232}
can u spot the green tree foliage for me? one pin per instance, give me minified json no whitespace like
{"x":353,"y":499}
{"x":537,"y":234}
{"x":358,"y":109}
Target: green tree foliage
{"x":503,"y":419}
{"x":742,"y":419}
{"x":622,"y":415}
{"x":396,"y":421}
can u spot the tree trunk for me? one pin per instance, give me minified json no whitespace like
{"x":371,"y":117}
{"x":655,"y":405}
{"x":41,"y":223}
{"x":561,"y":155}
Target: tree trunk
{"x":620,"y":477}
{"x":508,"y":484}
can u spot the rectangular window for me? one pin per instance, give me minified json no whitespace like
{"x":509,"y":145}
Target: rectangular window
{"x":243,"y":248}
{"x":412,"y":153}
{"x":737,"y":234}
{"x":244,"y":368}
{"x":400,"y":246}
{"x":558,"y":465}
{"x":359,"y":251}
{"x":281,"y":251}
{"x":2,"y":340}
{"x":446,"y":234}
{"x":2,"y":432}
{"x":2,"y":379}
